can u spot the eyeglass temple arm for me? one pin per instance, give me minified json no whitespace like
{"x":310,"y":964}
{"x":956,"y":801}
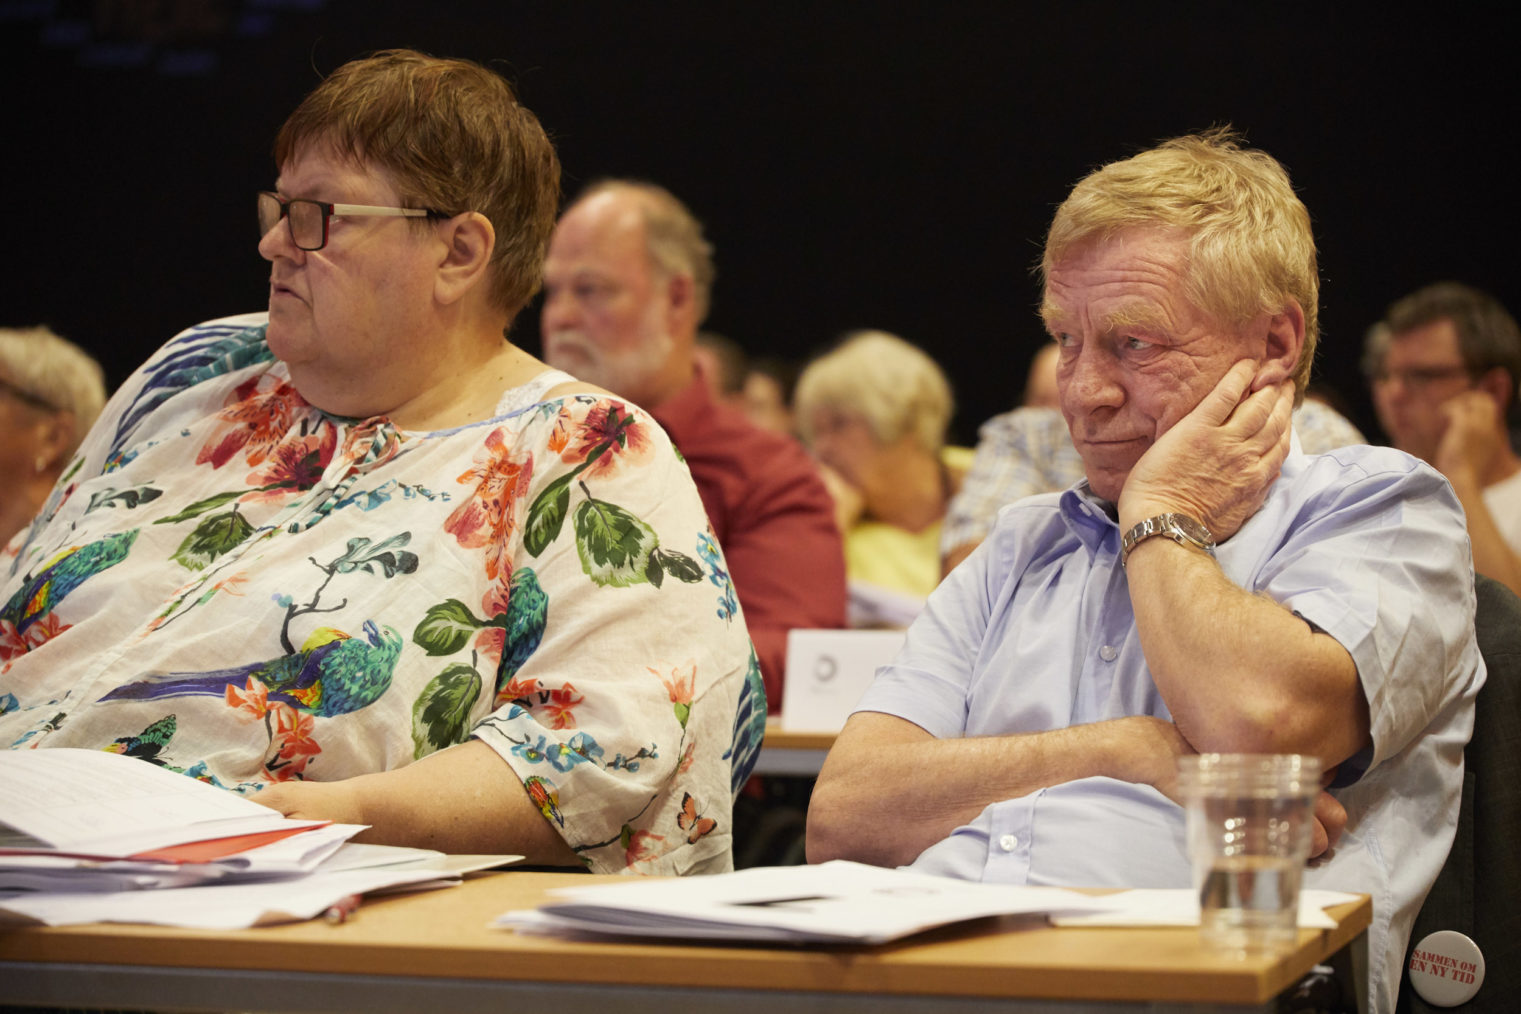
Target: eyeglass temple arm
{"x":375,"y":209}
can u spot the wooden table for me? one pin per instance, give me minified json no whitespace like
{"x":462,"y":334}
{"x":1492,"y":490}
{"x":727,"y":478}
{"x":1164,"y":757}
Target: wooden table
{"x":798,"y":754}
{"x":434,"y":951}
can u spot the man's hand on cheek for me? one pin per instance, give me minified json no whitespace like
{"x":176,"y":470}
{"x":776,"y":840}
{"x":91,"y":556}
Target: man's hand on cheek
{"x":1218,"y":462}
{"x":1475,"y":435}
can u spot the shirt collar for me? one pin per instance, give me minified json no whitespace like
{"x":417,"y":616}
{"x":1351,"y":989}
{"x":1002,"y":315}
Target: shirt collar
{"x":1088,"y":516}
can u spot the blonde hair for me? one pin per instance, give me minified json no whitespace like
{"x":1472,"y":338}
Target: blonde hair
{"x":55,"y":375}
{"x":672,"y":235}
{"x":895,"y":386}
{"x":1251,"y":249}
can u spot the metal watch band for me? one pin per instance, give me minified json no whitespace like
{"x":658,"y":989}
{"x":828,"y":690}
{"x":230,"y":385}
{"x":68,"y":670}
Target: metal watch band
{"x":1181,"y":528}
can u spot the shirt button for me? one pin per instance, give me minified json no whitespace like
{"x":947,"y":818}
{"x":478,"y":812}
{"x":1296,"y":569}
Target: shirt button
{"x":1109,"y":653}
{"x":1008,"y":842}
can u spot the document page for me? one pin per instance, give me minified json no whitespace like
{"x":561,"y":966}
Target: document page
{"x":94,"y":802}
{"x":837,"y":902}
{"x":215,"y":906}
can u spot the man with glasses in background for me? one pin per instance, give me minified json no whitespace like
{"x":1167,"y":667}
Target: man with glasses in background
{"x":1444,"y":365}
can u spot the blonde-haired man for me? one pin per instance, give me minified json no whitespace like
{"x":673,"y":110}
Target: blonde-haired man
{"x":626,"y":286}
{"x":1209,"y":587}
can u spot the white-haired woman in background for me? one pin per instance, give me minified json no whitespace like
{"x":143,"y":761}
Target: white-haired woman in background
{"x":50,"y":393}
{"x":874,"y":411}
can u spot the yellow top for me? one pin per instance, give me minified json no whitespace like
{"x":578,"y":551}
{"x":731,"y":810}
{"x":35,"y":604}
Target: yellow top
{"x":896,"y":559}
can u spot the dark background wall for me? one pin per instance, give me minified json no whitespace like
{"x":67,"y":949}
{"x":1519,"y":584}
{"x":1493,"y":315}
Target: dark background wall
{"x":857,"y":164}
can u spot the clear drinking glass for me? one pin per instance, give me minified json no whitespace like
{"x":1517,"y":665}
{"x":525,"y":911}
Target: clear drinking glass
{"x":1250,"y":821}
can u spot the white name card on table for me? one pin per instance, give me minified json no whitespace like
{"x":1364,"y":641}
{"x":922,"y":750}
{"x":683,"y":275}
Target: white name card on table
{"x":828,"y":671}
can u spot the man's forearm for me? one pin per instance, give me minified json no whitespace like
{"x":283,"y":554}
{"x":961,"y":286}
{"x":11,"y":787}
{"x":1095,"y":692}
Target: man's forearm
{"x":1239,"y":672}
{"x":1492,"y":555}
{"x":889,"y":790}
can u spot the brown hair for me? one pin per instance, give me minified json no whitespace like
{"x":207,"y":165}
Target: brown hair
{"x":1488,"y":337}
{"x":453,"y":138}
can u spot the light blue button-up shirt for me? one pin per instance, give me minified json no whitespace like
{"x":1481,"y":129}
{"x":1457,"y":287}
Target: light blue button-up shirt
{"x":1036,"y":632}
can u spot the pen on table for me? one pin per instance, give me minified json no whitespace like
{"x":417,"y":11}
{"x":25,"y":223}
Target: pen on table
{"x":340,"y":910}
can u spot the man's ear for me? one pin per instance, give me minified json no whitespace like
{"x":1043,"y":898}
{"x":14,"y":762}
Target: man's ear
{"x":681,"y":296}
{"x":1498,"y":384}
{"x":1285,"y":344}
{"x":468,"y":240}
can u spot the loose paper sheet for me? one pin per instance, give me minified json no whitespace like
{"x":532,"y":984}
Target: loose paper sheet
{"x":1180,"y":907}
{"x":844,"y":902}
{"x":839,"y":902}
{"x":98,"y":803}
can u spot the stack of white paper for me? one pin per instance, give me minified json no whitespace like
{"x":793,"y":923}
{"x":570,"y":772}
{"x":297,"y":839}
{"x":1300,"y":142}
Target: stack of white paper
{"x":845,"y":902}
{"x":835,"y":902}
{"x":90,"y":836}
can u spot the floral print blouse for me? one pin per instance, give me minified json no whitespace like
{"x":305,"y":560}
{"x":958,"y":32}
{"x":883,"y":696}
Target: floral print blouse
{"x":231,"y":583}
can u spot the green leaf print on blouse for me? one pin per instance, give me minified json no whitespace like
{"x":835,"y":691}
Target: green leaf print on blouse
{"x":442,"y":711}
{"x":448,"y":626}
{"x":617,"y":548}
{"x":388,"y":556}
{"x":547,"y":514}
{"x":261,"y":423}
{"x":514,"y":634}
{"x":614,"y":545}
{"x":667,"y":561}
{"x":126,"y":498}
{"x":213,"y":537}
{"x":200,"y":507}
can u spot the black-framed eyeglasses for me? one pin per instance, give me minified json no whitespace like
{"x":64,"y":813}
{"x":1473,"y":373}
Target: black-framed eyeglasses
{"x":308,"y":220}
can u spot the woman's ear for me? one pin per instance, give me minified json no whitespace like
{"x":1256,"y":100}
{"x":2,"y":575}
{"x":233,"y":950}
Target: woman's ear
{"x":52,"y":437}
{"x":468,"y":240}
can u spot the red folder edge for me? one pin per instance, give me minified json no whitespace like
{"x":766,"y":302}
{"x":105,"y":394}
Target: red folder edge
{"x":220,"y":848}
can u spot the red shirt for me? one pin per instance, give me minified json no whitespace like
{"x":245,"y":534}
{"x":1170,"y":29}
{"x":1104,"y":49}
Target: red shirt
{"x":774,"y":520}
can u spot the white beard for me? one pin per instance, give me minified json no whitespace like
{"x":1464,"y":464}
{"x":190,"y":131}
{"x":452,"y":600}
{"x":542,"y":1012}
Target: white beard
{"x":625,"y":372}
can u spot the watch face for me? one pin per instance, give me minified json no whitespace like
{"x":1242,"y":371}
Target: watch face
{"x":1193,"y":529}
{"x":1181,"y":528}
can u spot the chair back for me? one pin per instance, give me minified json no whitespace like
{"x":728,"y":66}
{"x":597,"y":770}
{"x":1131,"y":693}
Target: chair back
{"x":1478,"y":892}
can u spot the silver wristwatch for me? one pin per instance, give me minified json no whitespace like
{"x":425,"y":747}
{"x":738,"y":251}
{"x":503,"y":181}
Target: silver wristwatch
{"x":1181,"y":528}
